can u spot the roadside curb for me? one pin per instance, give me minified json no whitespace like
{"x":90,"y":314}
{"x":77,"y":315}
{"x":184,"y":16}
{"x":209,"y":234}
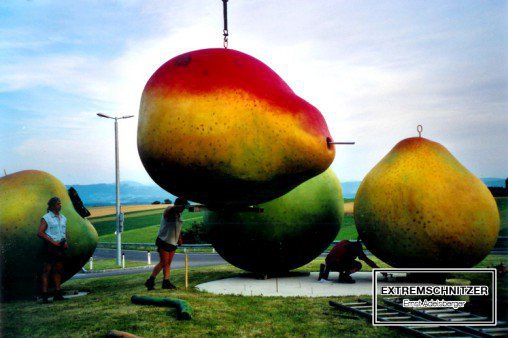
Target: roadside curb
{"x":91,"y":272}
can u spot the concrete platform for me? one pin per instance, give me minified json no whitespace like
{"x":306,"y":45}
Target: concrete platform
{"x":306,"y":286}
{"x":66,"y":294}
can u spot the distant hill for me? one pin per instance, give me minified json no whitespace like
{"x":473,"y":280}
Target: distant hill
{"x":130,"y":193}
{"x":136,"y":193}
{"x":349,"y":188}
{"x":494,"y":182}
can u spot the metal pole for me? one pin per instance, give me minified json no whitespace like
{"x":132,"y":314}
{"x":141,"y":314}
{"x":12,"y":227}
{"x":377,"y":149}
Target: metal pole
{"x":117,"y":171}
{"x":186,"y":272}
{"x":119,"y":215}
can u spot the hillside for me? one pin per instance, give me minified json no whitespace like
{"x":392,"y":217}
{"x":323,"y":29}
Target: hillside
{"x":130,"y":193}
{"x":137,"y":193}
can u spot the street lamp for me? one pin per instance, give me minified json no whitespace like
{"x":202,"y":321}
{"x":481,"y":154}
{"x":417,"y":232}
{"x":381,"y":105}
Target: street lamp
{"x":117,"y":171}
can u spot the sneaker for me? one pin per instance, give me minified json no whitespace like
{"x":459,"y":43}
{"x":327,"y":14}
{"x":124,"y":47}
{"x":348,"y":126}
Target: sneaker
{"x":58,"y":296}
{"x":343,"y":278}
{"x":321,"y":272}
{"x":166,"y":284}
{"x":150,"y":283}
{"x":45,"y":299}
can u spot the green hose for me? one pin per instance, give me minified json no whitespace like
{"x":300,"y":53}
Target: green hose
{"x":184,"y":310}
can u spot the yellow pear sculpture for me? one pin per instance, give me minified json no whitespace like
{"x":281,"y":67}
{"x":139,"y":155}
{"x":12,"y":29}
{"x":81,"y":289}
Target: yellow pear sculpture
{"x":419,"y":207}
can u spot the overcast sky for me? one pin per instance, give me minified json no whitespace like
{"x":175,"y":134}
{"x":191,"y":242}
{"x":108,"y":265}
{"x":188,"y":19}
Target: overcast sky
{"x":375,"y":70}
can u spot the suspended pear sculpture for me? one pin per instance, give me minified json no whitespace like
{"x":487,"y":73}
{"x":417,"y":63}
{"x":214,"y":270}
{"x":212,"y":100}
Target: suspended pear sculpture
{"x":219,"y":127}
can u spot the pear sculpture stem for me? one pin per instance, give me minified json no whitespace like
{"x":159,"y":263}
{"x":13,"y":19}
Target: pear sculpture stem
{"x":331,"y":142}
{"x":419,"y":129}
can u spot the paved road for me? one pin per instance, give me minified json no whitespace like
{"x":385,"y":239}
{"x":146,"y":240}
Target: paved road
{"x":130,"y":255}
{"x":195,"y":260}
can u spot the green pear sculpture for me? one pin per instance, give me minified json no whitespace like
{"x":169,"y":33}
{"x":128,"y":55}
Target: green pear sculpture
{"x":419,"y":207}
{"x":291,"y":231}
{"x":23,"y":198}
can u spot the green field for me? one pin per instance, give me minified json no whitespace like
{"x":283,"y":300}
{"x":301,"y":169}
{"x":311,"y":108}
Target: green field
{"x":139,"y":226}
{"x":348,"y":228}
{"x":502,"y":205}
{"x":142,"y":226}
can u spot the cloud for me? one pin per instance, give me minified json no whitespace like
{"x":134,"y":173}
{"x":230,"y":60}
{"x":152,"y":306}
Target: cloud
{"x":375,"y":71}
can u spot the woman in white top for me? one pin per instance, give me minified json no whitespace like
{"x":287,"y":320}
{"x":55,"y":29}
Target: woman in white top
{"x":53,"y":230}
{"x":168,"y":239}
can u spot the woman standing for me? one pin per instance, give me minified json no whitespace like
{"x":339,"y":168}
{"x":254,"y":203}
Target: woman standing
{"x":53,"y":230}
{"x":167,"y":240}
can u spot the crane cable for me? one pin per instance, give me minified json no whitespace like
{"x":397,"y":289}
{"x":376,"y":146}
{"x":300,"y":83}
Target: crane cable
{"x":225,"y":31}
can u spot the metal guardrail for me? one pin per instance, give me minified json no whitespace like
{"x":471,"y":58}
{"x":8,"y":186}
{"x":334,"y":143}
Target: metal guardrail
{"x":502,"y":242}
{"x":500,"y":247}
{"x":151,"y":245}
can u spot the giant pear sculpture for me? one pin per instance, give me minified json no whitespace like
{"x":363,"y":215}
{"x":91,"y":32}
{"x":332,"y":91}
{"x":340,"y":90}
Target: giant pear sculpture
{"x":291,"y":231}
{"x":23,"y":197}
{"x":219,"y":127}
{"x":419,"y":207}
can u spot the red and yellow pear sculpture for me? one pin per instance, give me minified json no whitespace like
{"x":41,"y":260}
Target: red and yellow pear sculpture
{"x":219,"y":127}
{"x":419,"y":207}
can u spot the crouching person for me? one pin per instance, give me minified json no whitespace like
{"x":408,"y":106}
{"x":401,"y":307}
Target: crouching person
{"x":342,"y":258}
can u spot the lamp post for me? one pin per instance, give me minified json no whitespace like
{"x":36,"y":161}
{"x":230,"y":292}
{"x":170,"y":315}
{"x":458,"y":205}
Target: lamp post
{"x":117,"y":172}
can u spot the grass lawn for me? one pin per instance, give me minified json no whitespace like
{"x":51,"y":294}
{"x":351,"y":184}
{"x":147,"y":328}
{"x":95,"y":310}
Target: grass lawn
{"x":108,"y":307}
